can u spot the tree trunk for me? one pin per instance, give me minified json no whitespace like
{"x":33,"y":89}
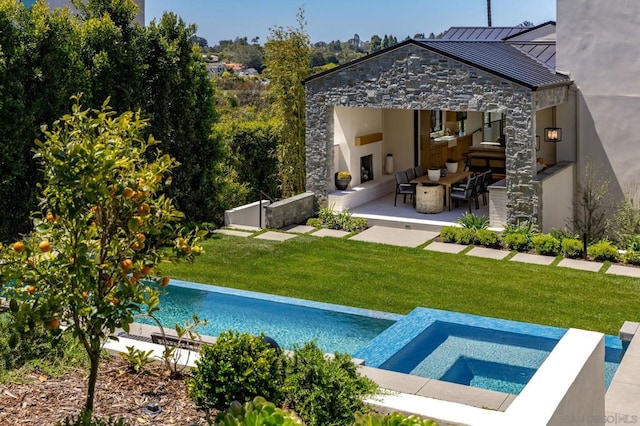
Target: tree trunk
{"x":93,"y":378}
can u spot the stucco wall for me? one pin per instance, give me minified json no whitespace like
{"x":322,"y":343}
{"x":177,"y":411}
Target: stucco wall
{"x":598,"y":47}
{"x":410,"y":77}
{"x":398,"y":137}
{"x":557,"y":196}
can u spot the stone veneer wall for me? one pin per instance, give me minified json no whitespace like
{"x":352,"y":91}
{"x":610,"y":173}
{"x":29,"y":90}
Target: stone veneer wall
{"x":413,"y":77}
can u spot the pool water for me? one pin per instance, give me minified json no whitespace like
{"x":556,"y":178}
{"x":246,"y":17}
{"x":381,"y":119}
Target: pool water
{"x":289,"y":321}
{"x":475,"y":351}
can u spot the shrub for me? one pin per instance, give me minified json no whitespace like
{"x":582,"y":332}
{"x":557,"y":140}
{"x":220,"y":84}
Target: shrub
{"x":325,"y":391}
{"x":238,"y":367}
{"x":631,"y":257}
{"x":449,"y":234}
{"x":518,"y":242}
{"x":488,"y":238}
{"x":257,"y":412}
{"x":471,"y":221}
{"x":342,"y":220}
{"x":603,"y":250}
{"x":561,"y":234}
{"x":356,"y":224}
{"x":315,"y":222}
{"x":546,"y":244}
{"x":393,"y":419}
{"x":572,"y":248}
{"x":466,"y":236}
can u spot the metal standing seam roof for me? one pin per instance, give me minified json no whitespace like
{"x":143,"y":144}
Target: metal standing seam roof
{"x":545,"y":53}
{"x":500,"y":59}
{"x":481,"y":33}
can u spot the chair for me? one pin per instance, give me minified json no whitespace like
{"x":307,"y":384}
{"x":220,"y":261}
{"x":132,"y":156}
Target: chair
{"x":411,"y":174}
{"x":483,"y":185}
{"x":404,"y":188}
{"x":418,"y":171}
{"x":468,"y":193}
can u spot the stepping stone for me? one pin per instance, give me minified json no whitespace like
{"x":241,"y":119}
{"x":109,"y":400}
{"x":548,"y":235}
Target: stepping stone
{"x":275,"y":236}
{"x":299,"y":229}
{"x":233,"y":232}
{"x":395,"y":236}
{"x":243,"y":227}
{"x":335,"y":233}
{"x":627,"y":271}
{"x":445,"y":247}
{"x":583,"y":265}
{"x":488,"y":253}
{"x":534,"y":259}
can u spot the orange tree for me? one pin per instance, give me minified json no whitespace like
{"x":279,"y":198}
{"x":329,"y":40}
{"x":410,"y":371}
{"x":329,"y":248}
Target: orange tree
{"x":104,"y":227}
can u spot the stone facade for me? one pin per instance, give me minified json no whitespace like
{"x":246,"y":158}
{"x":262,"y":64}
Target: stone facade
{"x":414,"y":77}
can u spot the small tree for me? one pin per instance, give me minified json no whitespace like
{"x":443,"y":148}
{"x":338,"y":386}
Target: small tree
{"x":102,"y":229}
{"x":589,"y":216}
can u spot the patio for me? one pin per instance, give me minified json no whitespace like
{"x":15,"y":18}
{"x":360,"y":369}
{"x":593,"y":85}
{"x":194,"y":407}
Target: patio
{"x":381,"y":211}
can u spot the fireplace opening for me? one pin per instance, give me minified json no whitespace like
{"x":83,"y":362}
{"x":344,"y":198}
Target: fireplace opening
{"x":366,"y":168}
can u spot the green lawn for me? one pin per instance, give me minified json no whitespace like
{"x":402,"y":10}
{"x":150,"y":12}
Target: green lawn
{"x":395,"y":279}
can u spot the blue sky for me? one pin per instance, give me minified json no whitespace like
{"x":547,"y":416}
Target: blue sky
{"x":329,"y":20}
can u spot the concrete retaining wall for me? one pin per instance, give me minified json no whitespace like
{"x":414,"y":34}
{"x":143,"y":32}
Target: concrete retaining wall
{"x":296,"y":209}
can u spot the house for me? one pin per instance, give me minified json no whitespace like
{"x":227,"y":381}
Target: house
{"x":506,"y":86}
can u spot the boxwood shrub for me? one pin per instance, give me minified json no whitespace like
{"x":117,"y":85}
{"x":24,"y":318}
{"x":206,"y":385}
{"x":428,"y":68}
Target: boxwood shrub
{"x":488,"y":238}
{"x":449,"y":234}
{"x":466,"y":236}
{"x":546,"y":244}
{"x":572,"y":248}
{"x":516,"y":241}
{"x":603,"y":250}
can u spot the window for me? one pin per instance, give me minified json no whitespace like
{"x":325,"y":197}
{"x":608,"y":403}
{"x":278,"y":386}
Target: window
{"x":436,"y":120}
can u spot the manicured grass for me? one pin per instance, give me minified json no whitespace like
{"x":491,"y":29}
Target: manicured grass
{"x":395,"y":279}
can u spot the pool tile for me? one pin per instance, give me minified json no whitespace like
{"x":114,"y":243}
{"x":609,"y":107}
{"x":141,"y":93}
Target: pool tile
{"x":488,"y":253}
{"x":445,"y":247}
{"x":534,"y":259}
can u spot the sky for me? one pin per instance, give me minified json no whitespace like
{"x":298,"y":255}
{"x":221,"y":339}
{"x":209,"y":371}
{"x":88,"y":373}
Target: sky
{"x":329,"y":20}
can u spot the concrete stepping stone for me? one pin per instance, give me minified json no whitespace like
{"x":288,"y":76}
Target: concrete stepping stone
{"x":626,"y":271}
{"x":324,"y":232}
{"x":275,"y":236}
{"x":395,"y":236}
{"x":233,"y":232}
{"x":488,"y":253}
{"x":534,"y":259}
{"x":299,"y":229}
{"x":445,"y":247}
{"x":583,"y":265}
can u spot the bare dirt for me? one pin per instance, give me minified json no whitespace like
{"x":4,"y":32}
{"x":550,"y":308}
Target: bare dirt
{"x":119,"y":394}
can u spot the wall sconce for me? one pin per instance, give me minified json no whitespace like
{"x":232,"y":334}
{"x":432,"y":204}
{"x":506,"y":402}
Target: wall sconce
{"x":552,"y":134}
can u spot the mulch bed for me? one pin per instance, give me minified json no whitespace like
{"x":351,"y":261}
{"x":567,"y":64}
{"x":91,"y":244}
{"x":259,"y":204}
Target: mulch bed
{"x":119,"y":394}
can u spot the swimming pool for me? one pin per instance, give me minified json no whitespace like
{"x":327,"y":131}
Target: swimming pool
{"x":476,"y":351}
{"x":289,"y":321}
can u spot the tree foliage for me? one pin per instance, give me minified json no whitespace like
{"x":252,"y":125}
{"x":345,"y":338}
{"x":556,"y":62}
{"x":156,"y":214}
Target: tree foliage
{"x":287,"y":58}
{"x":101,"y":229}
{"x":47,"y":56}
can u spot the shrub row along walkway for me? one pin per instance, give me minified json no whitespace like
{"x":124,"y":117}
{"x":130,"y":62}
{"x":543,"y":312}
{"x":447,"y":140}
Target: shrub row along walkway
{"x":424,"y":239}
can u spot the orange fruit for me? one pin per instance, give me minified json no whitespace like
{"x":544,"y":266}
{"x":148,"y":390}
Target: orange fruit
{"x":139,"y":219}
{"x":137,"y":245}
{"x":50,"y":217}
{"x":85,"y":296}
{"x":141,"y":237}
{"x":18,"y":246}
{"x":146,"y":270}
{"x":31,"y":290}
{"x":54,"y":324}
{"x":128,"y":192}
{"x":126,"y":264}
{"x":165,"y":281}
{"x":144,"y":208}
{"x":44,"y":246}
{"x":136,"y":276}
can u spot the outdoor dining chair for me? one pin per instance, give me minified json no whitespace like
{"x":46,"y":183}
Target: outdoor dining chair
{"x":467,"y":193}
{"x":404,"y":188}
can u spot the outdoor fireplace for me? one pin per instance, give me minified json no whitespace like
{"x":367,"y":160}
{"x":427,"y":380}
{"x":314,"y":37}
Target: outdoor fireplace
{"x":366,"y":168}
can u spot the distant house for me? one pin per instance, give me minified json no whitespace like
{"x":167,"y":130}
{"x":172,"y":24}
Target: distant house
{"x":234,"y":67}
{"x":216,"y":68}
{"x":248,"y":72}
{"x":564,"y":93}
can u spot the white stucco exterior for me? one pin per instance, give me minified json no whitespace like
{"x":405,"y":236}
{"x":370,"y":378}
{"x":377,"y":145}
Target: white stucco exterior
{"x":598,"y":48}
